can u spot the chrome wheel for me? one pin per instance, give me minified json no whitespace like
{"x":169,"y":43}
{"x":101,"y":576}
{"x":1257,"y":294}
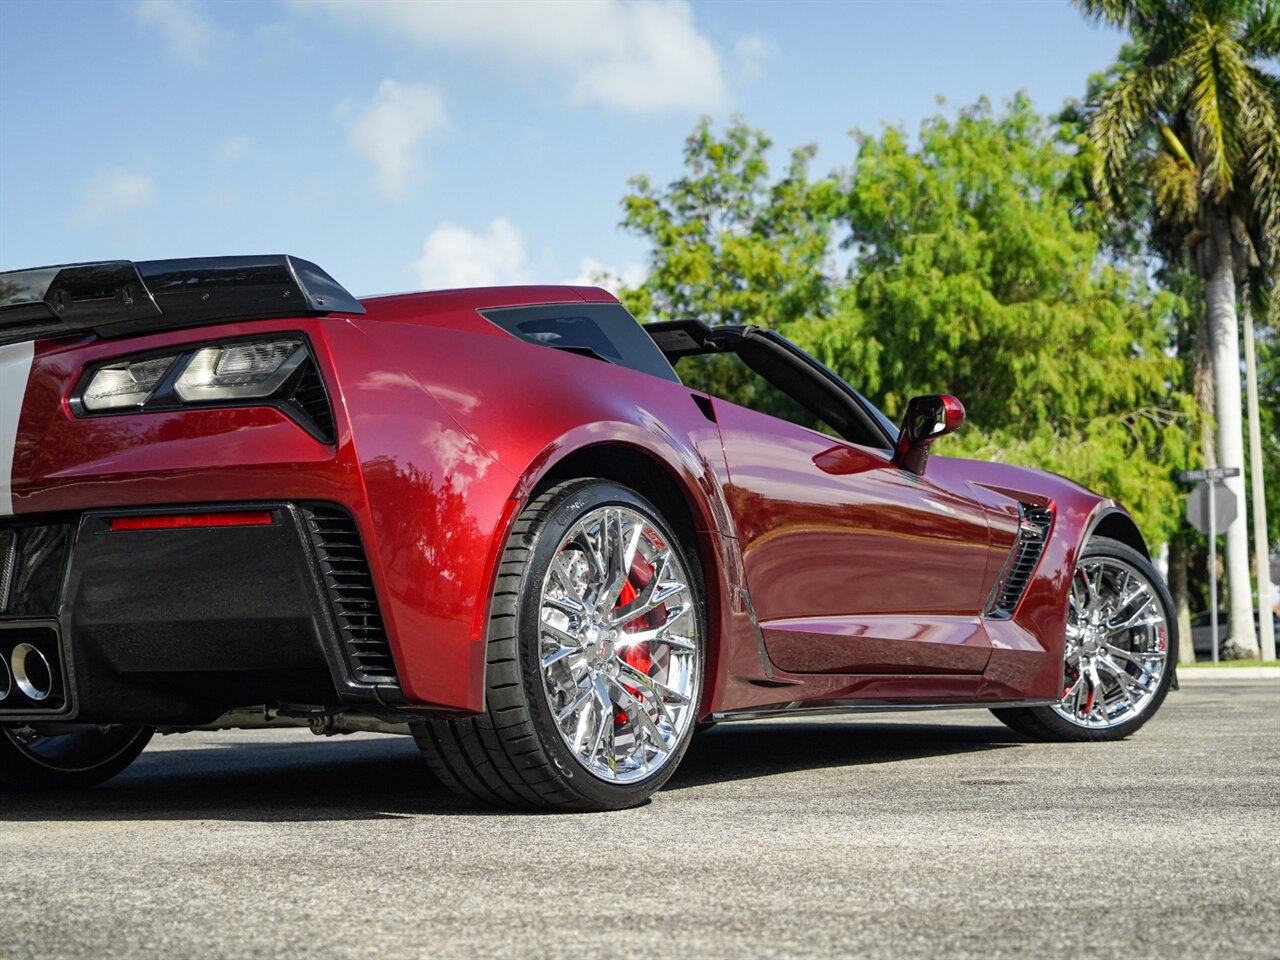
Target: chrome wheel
{"x":619,"y":644}
{"x":1117,"y":646}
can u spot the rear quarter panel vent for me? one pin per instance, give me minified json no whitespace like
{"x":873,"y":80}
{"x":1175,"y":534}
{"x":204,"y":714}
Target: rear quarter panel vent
{"x":349,"y":585}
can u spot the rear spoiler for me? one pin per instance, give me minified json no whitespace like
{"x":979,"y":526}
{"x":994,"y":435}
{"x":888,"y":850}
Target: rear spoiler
{"x":119,"y":297}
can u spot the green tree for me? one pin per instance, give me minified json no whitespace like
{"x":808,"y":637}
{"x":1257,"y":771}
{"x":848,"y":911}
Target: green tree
{"x":1195,"y":78}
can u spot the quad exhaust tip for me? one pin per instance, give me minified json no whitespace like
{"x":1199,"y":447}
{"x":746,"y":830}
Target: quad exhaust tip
{"x":6,"y":680}
{"x":32,"y":673}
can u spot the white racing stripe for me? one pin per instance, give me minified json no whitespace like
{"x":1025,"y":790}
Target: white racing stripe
{"x":15,"y":368}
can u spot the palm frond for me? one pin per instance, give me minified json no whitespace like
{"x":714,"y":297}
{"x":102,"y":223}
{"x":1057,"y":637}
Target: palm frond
{"x":1261,"y":35}
{"x":1118,"y":13}
{"x":1136,"y":16}
{"x":1260,"y":132}
{"x":1209,"y":59}
{"x":1121,"y":118}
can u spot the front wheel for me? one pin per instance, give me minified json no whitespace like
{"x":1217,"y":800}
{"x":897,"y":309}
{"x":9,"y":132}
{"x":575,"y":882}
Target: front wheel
{"x":1121,"y":644}
{"x":595,"y":659}
{"x":33,"y":760}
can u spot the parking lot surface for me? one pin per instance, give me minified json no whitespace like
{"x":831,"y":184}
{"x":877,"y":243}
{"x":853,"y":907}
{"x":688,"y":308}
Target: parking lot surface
{"x":888,"y":835}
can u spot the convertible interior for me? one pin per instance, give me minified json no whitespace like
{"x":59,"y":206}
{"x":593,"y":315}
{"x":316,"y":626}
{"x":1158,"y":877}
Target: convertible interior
{"x":784,"y":366}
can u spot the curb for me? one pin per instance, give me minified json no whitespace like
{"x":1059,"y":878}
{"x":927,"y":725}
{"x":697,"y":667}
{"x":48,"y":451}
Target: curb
{"x":1188,"y":674}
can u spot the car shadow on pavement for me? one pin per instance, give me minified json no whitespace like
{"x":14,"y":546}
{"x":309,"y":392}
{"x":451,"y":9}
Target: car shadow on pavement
{"x":745,"y":751}
{"x":385,"y":778}
{"x":366,"y":778}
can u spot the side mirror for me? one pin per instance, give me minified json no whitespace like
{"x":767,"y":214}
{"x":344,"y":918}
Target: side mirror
{"x":928,"y":418}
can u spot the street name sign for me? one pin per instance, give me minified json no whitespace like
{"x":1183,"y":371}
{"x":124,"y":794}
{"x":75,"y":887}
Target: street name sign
{"x":1208,"y":473}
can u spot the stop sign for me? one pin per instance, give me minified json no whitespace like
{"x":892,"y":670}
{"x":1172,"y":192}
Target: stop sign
{"x":1224,"y":507}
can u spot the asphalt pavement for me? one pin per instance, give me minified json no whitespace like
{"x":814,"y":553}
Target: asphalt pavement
{"x":890,"y":835}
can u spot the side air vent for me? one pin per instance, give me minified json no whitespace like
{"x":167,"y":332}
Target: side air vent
{"x":350,"y":588}
{"x":1033,"y":533}
{"x":312,"y":400}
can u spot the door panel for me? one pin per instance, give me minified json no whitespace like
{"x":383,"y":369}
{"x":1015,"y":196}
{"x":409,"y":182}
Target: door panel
{"x":854,"y":565}
{"x":926,"y":643}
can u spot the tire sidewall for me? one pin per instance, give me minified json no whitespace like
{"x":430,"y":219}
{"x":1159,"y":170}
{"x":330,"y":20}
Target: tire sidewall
{"x":557,"y":517}
{"x":23,"y":773}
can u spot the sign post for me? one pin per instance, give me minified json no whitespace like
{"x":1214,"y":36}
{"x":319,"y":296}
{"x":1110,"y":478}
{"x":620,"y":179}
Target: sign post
{"x":1208,"y":505}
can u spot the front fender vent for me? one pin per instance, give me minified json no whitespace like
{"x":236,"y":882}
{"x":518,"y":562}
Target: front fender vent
{"x":1033,"y":533}
{"x":350,"y":588}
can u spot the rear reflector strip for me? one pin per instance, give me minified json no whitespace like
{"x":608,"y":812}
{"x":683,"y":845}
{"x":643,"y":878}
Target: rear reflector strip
{"x":179,"y":520}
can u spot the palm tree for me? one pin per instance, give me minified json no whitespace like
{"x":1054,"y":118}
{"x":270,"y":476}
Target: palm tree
{"x":1194,"y":109}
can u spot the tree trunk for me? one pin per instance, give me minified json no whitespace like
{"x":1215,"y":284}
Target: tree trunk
{"x":1181,"y":598}
{"x":1224,"y":339}
{"x":1202,"y":390}
{"x":1257,"y":494}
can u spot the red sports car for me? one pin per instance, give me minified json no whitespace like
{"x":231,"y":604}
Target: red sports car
{"x":232,"y":495}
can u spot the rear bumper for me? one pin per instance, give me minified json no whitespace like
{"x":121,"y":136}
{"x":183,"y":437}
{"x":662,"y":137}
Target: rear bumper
{"x":179,"y":625}
{"x":432,"y":508}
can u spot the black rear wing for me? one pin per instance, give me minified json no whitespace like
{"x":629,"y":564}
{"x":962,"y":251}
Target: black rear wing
{"x":119,"y":297}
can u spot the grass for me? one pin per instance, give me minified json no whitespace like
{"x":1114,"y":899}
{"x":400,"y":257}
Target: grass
{"x":1228,"y":664}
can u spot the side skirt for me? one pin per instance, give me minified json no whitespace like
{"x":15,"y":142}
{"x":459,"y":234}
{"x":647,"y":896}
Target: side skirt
{"x":863,"y":706}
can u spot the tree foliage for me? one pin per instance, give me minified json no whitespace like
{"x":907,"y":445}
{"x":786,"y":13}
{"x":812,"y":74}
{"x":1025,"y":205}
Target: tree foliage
{"x":727,"y":244}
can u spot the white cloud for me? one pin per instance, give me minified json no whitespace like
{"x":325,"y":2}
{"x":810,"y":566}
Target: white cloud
{"x":389,"y":131}
{"x":453,"y":256}
{"x":189,"y":34}
{"x":593,"y":273}
{"x":658,"y":59}
{"x":113,"y":192}
{"x":234,"y":148}
{"x":642,"y":55}
{"x":751,"y":51}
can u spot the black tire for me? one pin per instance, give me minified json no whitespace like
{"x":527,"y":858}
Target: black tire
{"x":512,"y":755}
{"x":70,"y":761}
{"x":1044,"y":723}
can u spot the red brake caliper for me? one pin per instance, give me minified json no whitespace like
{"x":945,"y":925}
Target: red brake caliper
{"x":637,"y":655}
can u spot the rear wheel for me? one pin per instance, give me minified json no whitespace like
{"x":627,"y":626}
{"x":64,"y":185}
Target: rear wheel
{"x":31,"y":760}
{"x":1120,"y":649}
{"x":595,"y":659}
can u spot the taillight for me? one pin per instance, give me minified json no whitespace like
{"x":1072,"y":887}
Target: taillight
{"x":128,"y":383}
{"x":276,"y":371}
{"x":239,"y":371}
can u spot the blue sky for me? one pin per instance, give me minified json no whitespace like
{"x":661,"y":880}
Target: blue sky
{"x":403,"y":145}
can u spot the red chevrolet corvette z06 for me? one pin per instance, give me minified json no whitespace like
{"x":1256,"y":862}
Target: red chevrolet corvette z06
{"x":231,"y":495}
